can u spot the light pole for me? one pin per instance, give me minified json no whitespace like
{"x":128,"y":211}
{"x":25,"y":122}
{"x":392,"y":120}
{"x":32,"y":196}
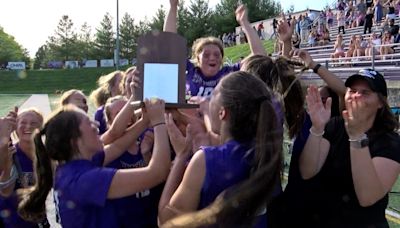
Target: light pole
{"x":117,"y":41}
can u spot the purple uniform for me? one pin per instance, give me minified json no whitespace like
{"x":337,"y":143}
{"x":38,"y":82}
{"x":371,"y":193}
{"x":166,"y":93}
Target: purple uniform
{"x":199,"y":85}
{"x":8,"y":206}
{"x":99,"y":117}
{"x":226,"y":165}
{"x":80,"y":194}
{"x":140,"y":209}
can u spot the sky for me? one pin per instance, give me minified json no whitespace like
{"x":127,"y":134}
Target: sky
{"x":32,"y":22}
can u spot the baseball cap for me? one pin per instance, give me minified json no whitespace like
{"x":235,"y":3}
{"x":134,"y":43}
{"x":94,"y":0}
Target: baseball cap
{"x":374,"y":79}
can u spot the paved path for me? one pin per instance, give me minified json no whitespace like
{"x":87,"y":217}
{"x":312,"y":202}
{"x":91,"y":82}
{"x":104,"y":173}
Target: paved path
{"x":39,"y":101}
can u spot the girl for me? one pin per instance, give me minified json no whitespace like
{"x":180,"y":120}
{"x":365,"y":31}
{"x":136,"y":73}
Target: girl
{"x":109,"y":86}
{"x":28,"y":121}
{"x":71,"y":139}
{"x":207,"y":53}
{"x":247,"y":164}
{"x":75,"y":97}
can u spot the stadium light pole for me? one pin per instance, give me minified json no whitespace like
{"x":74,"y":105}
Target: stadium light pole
{"x":117,"y":41}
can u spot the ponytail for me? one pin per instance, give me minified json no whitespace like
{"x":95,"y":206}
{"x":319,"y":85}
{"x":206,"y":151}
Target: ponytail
{"x":238,"y":206}
{"x":32,"y":206}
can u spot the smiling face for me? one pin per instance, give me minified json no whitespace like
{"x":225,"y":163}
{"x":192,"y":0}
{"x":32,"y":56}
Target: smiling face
{"x":127,"y":82}
{"x":210,"y":60}
{"x":27,"y":123}
{"x":89,"y":142}
{"x":114,"y":108}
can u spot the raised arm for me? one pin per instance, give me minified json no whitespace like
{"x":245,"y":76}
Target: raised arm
{"x":316,"y":148}
{"x":255,"y":43}
{"x":171,"y":21}
{"x":129,"y":181}
{"x":285,"y":35}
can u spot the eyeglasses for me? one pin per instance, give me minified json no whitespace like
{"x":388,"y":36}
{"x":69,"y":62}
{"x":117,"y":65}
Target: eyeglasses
{"x":368,"y":73}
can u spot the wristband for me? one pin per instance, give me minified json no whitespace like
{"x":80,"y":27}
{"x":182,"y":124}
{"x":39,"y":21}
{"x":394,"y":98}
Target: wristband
{"x":315,"y":134}
{"x":316,"y":68}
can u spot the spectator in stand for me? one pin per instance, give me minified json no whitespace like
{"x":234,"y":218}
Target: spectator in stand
{"x":351,"y":48}
{"x":341,"y":21}
{"x":373,"y":46}
{"x":378,"y":12}
{"x":260,"y":30}
{"x":295,"y":40}
{"x":341,"y":5}
{"x":393,"y":28}
{"x":225,"y":40}
{"x":312,"y":38}
{"x":361,"y":7}
{"x":386,"y":47}
{"x":390,"y":5}
{"x":360,"y":46}
{"x":108,"y":86}
{"x":329,"y":17}
{"x":242,"y":36}
{"x":338,"y":47}
{"x":304,"y":32}
{"x":368,"y":20}
{"x":325,"y":36}
{"x":397,"y":7}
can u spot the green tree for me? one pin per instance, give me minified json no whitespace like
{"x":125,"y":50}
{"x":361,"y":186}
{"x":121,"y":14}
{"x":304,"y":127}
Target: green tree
{"x":128,"y":35}
{"x":10,"y":50}
{"x":198,"y":20}
{"x":85,"y":43}
{"x":63,"y":41}
{"x":41,"y":57}
{"x":105,"y":41}
{"x":157,"y":22}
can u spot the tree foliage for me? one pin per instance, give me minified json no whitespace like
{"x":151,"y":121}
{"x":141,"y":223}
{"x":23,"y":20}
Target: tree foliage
{"x":10,"y":50}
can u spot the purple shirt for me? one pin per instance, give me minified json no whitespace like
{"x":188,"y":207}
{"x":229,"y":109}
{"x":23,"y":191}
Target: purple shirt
{"x":8,"y":206}
{"x":80,"y":193}
{"x":226,"y":165}
{"x":199,"y":85}
{"x":99,"y":116}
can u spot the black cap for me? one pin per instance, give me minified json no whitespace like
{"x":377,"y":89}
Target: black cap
{"x":375,"y":80}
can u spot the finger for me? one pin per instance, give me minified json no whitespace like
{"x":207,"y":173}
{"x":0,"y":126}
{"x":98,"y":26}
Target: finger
{"x":349,"y":109}
{"x":328,"y":104}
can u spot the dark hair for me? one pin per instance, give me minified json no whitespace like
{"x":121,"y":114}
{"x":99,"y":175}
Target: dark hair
{"x":252,"y":116}
{"x":280,"y":77}
{"x":59,"y":131}
{"x":335,"y":107}
{"x":385,"y":121}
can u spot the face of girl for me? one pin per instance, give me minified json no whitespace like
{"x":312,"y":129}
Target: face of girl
{"x":79,"y":100}
{"x":210,"y":60}
{"x":27,"y":123}
{"x":360,"y":90}
{"x":128,"y":80}
{"x":89,"y":142}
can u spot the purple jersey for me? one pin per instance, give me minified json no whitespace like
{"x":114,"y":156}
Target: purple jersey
{"x":80,"y":194}
{"x":226,"y":165}
{"x":140,"y":209}
{"x":199,"y":85}
{"x":99,"y":116}
{"x":8,"y":206}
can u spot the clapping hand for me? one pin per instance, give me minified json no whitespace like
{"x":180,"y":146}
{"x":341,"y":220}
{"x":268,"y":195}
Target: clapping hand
{"x":319,"y":113}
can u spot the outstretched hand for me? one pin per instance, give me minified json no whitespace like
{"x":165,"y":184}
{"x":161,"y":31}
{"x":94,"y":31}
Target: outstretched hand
{"x":182,"y":144}
{"x":8,"y":125}
{"x":319,"y":113}
{"x":285,"y":31}
{"x":173,"y":2}
{"x":241,"y":15}
{"x":154,"y":109}
{"x":304,"y":56}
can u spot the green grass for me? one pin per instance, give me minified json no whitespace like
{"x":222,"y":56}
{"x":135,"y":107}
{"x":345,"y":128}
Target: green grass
{"x":242,"y":50}
{"x":9,"y":101}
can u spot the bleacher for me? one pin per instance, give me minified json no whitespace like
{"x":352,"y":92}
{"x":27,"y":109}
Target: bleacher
{"x":344,"y":67}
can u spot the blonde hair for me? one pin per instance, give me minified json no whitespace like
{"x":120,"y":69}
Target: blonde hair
{"x":105,"y":83}
{"x":64,"y":100}
{"x":198,"y":46}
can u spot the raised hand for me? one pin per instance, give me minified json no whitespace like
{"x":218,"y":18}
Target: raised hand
{"x":8,"y":125}
{"x":356,"y":118}
{"x":319,"y":113}
{"x":241,"y":15}
{"x":182,"y":145}
{"x":154,"y":110}
{"x":284,"y":31}
{"x":173,"y":2}
{"x":304,"y":56}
